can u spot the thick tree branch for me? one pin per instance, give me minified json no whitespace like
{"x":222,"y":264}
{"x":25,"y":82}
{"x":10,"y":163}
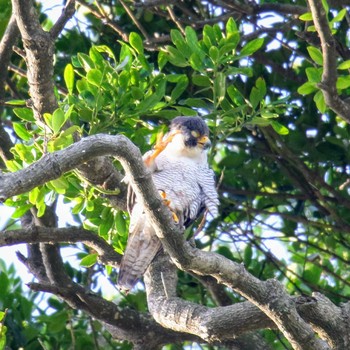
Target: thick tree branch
{"x":329,"y":76}
{"x":107,"y":254}
{"x":269,"y":296}
{"x":123,"y":323}
{"x":211,"y":324}
{"x":39,"y":48}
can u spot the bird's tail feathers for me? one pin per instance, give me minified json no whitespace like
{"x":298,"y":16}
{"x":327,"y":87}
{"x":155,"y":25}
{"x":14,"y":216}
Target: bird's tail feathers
{"x":142,"y":247}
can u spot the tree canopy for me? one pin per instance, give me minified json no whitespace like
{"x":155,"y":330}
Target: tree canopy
{"x":82,"y":97}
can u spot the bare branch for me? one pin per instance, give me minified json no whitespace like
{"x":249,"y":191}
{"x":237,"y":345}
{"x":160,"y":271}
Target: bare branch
{"x":122,"y":323}
{"x":8,"y":40}
{"x":66,"y":15}
{"x":329,"y":76}
{"x":106,"y":19}
{"x":107,"y":254}
{"x":39,"y":48}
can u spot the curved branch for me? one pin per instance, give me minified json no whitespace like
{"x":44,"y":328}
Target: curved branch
{"x":122,"y":323}
{"x":269,"y":296}
{"x":211,"y":324}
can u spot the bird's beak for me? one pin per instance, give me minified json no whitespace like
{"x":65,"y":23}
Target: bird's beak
{"x":204,"y":142}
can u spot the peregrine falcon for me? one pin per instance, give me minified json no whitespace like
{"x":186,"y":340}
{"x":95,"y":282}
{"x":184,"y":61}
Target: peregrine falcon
{"x":181,"y":174}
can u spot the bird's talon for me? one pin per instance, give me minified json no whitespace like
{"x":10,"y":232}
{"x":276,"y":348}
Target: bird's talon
{"x":167,"y":203}
{"x":175,"y":218}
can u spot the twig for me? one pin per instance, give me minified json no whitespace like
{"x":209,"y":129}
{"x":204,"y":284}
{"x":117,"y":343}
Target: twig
{"x":173,"y":17}
{"x":66,"y":15}
{"x":106,"y":20}
{"x":135,"y":20}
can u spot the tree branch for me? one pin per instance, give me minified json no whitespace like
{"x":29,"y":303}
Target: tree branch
{"x":269,"y":296}
{"x":39,"y":48}
{"x":123,"y":323}
{"x":329,"y":76}
{"x":8,"y":40}
{"x":66,"y":15}
{"x":107,"y":254}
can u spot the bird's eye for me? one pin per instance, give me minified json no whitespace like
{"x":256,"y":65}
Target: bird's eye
{"x":195,"y":133}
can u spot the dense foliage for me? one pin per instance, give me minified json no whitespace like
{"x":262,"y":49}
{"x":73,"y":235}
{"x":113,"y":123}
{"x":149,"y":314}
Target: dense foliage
{"x":255,"y":73}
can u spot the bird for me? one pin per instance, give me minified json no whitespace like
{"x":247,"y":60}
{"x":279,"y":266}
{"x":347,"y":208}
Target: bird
{"x":180,"y":171}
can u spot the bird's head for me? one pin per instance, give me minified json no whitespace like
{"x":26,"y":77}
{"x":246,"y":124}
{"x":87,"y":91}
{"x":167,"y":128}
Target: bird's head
{"x":190,"y":136}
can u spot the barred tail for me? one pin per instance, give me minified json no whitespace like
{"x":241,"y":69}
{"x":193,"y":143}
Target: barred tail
{"x":142,"y":247}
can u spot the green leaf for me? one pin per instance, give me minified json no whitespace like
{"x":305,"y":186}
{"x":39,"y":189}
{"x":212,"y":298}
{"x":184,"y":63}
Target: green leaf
{"x":162,"y":59}
{"x":186,"y":111}
{"x":248,"y":71}
{"x":195,"y":102}
{"x":58,"y":119}
{"x":235,"y":95}
{"x":180,"y":43}
{"x":136,"y":42}
{"x":343,"y":82}
{"x":105,"y":49}
{"x":314,"y":75}
{"x":344,"y":65}
{"x":86,"y":62}
{"x":176,"y":57}
{"x":120,"y":223}
{"x":258,"y":92}
{"x":306,"y":17}
{"x":313,"y":273}
{"x":201,"y":80}
{"x":60,"y":185}
{"x":251,"y":47}
{"x":191,"y":38}
{"x":268,"y":115}
{"x":307,"y":88}
{"x":24,"y":114}
{"x":48,"y":120}
{"x":325,"y":5}
{"x":179,"y":88}
{"x":219,"y":87}
{"x":228,"y":48}
{"x":214,"y":53}
{"x":69,"y":77}
{"x":89,"y":260}
{"x":320,"y":102}
{"x":196,"y":62}
{"x":231,"y":26}
{"x":97,"y":57}
{"x":16,"y":102}
{"x":315,"y":54}
{"x":41,"y":209}
{"x":33,"y":195}
{"x":279,"y":128}
{"x":21,"y":131}
{"x":20,"y":211}
{"x":95,"y":77}
{"x":339,"y":17}
{"x":209,"y":36}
